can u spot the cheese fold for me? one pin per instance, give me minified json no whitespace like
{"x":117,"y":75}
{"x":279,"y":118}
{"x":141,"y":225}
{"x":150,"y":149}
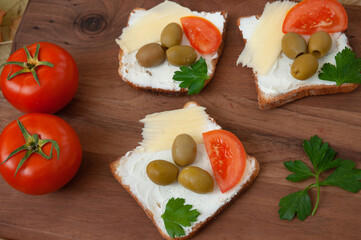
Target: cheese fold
{"x":264,"y":46}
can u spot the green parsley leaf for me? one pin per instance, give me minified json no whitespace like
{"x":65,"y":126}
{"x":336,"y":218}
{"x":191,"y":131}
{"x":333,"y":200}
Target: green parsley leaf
{"x":346,"y":177}
{"x":322,"y":159}
{"x":176,"y":215}
{"x":347,"y":69}
{"x":328,"y":163}
{"x":301,"y":170}
{"x":298,"y":202}
{"x":173,"y":229}
{"x":320,"y":154}
{"x":193,"y":77}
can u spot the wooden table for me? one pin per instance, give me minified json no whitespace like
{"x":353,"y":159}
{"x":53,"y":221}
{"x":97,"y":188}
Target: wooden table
{"x":105,"y":114}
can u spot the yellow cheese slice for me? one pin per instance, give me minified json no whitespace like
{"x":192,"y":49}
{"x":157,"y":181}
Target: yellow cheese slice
{"x":160,"y":129}
{"x":264,"y":46}
{"x":148,"y":27}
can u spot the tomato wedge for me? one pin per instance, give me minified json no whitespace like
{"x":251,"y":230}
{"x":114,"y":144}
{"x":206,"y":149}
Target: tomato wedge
{"x":310,"y":16}
{"x":202,"y":34}
{"x":227,"y":156}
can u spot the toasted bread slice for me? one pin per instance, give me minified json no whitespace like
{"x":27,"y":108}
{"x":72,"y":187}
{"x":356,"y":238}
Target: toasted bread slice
{"x":159,"y":79}
{"x":153,"y":198}
{"x":303,"y":89}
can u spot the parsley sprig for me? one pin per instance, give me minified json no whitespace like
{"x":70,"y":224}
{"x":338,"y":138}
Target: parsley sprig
{"x":193,"y":77}
{"x":176,"y":215}
{"x":347,"y":69}
{"x":321,"y":156}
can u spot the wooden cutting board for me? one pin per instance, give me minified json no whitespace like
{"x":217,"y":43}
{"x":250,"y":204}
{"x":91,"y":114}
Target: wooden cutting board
{"x":105,"y":114}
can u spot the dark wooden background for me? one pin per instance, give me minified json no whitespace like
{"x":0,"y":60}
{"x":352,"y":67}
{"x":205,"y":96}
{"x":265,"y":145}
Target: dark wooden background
{"x":105,"y":114}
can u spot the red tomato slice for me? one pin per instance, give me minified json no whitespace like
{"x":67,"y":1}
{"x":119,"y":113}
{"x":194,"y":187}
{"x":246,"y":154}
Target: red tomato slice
{"x":310,"y":16}
{"x":202,"y":34}
{"x":227,"y":156}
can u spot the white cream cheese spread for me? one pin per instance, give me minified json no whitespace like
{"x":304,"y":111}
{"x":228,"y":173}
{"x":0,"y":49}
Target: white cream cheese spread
{"x":278,"y":79}
{"x":161,"y":76}
{"x":132,"y":170}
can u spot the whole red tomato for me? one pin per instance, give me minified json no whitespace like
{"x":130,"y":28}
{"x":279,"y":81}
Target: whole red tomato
{"x":47,"y":82}
{"x":42,"y":136}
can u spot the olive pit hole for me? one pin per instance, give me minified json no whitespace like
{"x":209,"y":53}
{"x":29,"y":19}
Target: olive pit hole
{"x":316,"y":53}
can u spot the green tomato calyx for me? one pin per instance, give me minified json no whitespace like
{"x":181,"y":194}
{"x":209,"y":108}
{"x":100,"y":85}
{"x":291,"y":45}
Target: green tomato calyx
{"x":30,"y":65}
{"x":33,"y":144}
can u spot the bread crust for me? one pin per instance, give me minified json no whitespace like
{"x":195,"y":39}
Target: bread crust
{"x":266,"y":103}
{"x":115,"y":164}
{"x":182,"y":91}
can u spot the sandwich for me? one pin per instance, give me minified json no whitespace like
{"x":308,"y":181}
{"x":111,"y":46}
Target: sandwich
{"x":206,"y":169}
{"x":169,"y":38}
{"x":285,"y":27}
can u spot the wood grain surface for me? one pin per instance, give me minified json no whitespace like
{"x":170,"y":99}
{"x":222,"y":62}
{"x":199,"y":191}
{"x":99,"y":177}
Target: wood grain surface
{"x":105,"y":114}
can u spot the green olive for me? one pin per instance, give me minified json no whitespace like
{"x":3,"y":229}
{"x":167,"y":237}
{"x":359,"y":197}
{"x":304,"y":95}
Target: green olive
{"x":171,"y":35}
{"x":196,"y":179}
{"x":162,"y":172}
{"x":150,"y":55}
{"x":304,"y":66}
{"x":293,"y":45}
{"x":319,"y":44}
{"x":184,"y":150}
{"x":181,"y":55}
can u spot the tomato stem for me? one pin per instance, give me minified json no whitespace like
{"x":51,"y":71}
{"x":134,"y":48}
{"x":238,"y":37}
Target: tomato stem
{"x":32,"y":145}
{"x":30,"y":65}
